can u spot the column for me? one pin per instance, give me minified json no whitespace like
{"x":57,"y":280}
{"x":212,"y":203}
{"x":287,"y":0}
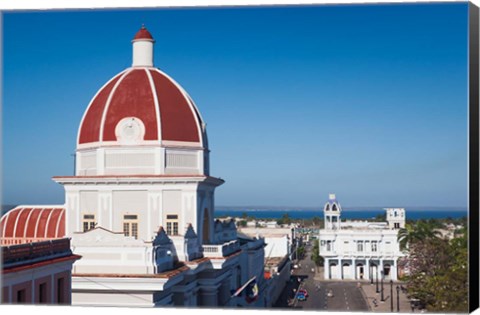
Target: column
{"x":208,"y":296}
{"x":381,"y":269}
{"x":339,"y":269}
{"x":326,"y":268}
{"x":366,"y":273}
{"x":353,"y":269}
{"x":393,"y":270}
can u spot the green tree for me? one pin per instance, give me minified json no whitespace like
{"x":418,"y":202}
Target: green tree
{"x":317,"y":259}
{"x":316,"y":221}
{"x":242,"y":223}
{"x":300,"y":252}
{"x":438,"y":268}
{"x":285,"y":219}
{"x":419,"y":231}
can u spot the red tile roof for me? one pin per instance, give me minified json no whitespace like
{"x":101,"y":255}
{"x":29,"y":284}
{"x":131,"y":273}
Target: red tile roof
{"x":148,"y":95}
{"x":37,"y":222}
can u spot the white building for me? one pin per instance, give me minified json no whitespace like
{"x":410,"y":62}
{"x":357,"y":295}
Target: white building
{"x":360,"y":250}
{"x":140,"y":207}
{"x":278,"y":252}
{"x":278,"y":240}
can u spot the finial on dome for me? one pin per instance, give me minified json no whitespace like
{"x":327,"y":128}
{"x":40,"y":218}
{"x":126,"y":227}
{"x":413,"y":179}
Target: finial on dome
{"x":143,"y":48}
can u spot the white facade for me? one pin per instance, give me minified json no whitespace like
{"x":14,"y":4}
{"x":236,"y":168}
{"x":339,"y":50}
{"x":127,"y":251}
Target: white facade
{"x":141,"y":213}
{"x":366,"y":250}
{"x":278,"y":240}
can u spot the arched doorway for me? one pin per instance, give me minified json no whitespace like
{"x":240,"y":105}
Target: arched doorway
{"x":360,"y":271}
{"x":387,"y":272}
{"x":333,"y":272}
{"x":206,"y":227}
{"x":346,"y":271}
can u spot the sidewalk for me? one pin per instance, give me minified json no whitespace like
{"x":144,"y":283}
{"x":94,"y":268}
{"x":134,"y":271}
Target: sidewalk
{"x":385,"y":307}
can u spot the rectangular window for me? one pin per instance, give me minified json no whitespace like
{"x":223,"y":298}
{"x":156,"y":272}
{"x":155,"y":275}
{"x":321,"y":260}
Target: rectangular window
{"x":42,"y":293}
{"x":130,"y":225}
{"x":396,"y":225}
{"x":88,"y":222}
{"x":172,"y":224}
{"x":374,"y":246}
{"x":61,"y":291}
{"x":360,"y":246}
{"x":329,"y":246}
{"x":21,"y":296}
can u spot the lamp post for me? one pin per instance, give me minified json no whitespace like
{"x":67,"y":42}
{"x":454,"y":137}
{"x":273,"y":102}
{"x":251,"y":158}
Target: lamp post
{"x":376,"y":278}
{"x":391,"y":296}
{"x":398,"y":298}
{"x":382,"y":299}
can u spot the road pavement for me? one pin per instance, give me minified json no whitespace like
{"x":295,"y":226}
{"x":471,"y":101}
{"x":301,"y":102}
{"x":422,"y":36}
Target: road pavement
{"x":345,"y":296}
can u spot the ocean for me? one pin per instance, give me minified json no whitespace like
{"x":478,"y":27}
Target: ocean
{"x":414,"y":214}
{"x":346,"y":214}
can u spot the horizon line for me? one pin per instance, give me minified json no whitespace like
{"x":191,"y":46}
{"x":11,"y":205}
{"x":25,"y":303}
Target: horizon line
{"x":351,"y":208}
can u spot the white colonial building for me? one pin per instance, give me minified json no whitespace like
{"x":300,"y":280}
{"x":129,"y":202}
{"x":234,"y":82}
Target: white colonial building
{"x":140,"y":207}
{"x":360,"y":249}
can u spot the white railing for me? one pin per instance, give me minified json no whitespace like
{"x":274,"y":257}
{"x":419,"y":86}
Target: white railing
{"x":361,"y":253}
{"x":221,"y":250}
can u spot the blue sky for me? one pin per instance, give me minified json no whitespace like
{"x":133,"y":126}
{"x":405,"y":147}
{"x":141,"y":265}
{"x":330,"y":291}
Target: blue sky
{"x":368,"y":102}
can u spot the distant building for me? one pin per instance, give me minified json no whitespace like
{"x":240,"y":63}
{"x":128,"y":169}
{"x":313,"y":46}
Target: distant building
{"x":37,"y":273}
{"x":278,"y":253}
{"x":140,"y":207}
{"x":360,"y":250}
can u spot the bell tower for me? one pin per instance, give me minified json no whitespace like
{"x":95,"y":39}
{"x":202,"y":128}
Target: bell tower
{"x":332,"y":211}
{"x":395,"y":218}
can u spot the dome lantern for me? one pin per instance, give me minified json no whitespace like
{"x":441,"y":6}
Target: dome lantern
{"x":142,"y":48}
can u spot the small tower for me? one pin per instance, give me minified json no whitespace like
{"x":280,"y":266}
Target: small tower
{"x":332,"y":212}
{"x":143,"y":48}
{"x":395,"y":218}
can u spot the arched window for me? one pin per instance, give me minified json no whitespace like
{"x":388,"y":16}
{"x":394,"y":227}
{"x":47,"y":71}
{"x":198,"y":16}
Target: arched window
{"x":327,"y":207}
{"x":334,"y":207}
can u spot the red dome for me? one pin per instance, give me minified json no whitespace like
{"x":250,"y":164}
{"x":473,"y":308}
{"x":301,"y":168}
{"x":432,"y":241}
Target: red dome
{"x":149,"y":95}
{"x":33,"y":223}
{"x":143,"y":33}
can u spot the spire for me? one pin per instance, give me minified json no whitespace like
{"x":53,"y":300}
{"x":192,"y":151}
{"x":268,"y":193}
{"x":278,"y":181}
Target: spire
{"x":143,"y":48}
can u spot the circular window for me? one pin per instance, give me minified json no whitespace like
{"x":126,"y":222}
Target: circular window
{"x":130,"y":130}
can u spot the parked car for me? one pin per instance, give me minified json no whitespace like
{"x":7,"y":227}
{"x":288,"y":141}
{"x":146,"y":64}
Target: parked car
{"x":301,"y":297}
{"x":304,"y":292}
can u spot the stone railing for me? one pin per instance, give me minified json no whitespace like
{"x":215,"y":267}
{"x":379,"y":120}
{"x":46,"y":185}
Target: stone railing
{"x":17,"y":253}
{"x":8,"y":241}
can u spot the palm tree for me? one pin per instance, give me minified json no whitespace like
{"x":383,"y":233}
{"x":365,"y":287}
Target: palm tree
{"x":420,"y":231}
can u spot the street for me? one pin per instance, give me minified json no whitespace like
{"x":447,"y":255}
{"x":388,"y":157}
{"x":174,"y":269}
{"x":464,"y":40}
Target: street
{"x":346,"y":295}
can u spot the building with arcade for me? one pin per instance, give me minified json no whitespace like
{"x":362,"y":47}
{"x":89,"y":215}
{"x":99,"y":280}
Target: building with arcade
{"x":360,"y":250}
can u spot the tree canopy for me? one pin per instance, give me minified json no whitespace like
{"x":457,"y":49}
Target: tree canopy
{"x":438,"y":266}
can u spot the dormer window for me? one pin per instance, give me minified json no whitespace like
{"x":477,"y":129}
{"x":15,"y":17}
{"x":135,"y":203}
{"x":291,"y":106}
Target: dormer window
{"x":327,"y":207}
{"x":334,"y":207}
